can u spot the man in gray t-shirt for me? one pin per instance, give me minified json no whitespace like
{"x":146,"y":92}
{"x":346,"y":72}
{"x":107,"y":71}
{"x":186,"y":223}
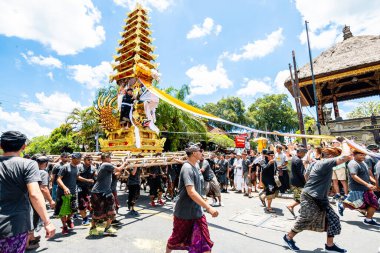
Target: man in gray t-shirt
{"x":19,"y":180}
{"x":102,"y":199}
{"x":67,"y":185}
{"x":361,"y":193}
{"x":319,"y":183}
{"x":188,"y":208}
{"x":316,"y":214}
{"x":359,"y":169}
{"x":104,"y":180}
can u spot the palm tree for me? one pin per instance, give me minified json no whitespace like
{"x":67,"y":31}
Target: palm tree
{"x":85,"y":125}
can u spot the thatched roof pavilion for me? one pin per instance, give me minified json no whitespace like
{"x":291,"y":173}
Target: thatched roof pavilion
{"x":348,"y":70}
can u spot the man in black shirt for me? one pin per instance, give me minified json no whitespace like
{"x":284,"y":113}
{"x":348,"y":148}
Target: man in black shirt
{"x":297,"y":179}
{"x":231,"y":171}
{"x":126,"y":107}
{"x":155,"y":185}
{"x":87,"y":171}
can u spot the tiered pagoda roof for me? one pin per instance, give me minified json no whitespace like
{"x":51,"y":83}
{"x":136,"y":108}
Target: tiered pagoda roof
{"x":135,"y":45}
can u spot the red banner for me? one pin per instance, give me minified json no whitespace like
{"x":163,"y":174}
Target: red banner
{"x":239,"y":141}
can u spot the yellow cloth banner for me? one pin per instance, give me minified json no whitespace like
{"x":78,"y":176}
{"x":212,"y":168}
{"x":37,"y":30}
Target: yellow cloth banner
{"x":200,"y":113}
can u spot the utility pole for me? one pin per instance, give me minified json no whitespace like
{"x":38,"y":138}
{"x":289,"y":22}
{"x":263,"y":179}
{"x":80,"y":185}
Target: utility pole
{"x":313,"y":79}
{"x":297,"y":97}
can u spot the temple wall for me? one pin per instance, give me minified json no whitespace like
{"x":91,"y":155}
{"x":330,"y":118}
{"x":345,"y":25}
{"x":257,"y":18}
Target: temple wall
{"x":351,"y":128}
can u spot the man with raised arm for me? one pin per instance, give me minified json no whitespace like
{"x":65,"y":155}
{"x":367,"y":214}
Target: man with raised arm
{"x":316,"y":214}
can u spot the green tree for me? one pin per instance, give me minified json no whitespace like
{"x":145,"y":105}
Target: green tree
{"x":273,"y":112}
{"x":221,"y":140}
{"x":38,"y":145}
{"x":172,"y":120}
{"x":365,"y":109}
{"x":231,"y":109}
{"x":61,"y":140}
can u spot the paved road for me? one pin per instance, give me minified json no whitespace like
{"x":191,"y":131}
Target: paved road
{"x":241,"y":227}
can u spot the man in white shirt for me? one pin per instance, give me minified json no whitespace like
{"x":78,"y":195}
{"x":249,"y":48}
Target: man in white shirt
{"x":282,"y":163}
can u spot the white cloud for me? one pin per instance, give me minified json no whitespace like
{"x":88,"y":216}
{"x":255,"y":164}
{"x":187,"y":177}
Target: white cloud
{"x":160,"y":5}
{"x":349,"y":104}
{"x":50,"y":75}
{"x":206,"y":28}
{"x":91,"y":77}
{"x":15,"y":121}
{"x":280,"y":80}
{"x":258,"y":48}
{"x":327,"y":18}
{"x":251,"y":88}
{"x":205,"y":81}
{"x":52,"y":109}
{"x":266,"y":85}
{"x":49,"y":61}
{"x":67,"y":26}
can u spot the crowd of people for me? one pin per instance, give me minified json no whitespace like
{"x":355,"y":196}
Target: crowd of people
{"x":77,"y":187}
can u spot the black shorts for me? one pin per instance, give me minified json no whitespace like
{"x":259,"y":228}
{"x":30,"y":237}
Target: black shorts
{"x":133,"y":195}
{"x":155,"y":186}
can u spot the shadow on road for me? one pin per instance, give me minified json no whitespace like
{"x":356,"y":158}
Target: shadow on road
{"x":362,"y":226}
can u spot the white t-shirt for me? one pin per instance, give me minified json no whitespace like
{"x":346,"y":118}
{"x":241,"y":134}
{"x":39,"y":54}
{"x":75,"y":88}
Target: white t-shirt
{"x":280,"y":159}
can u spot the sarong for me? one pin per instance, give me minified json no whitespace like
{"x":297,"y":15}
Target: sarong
{"x":190,"y":235}
{"x":212,"y":187}
{"x":14,"y":244}
{"x":103,"y":206}
{"x":313,"y":218}
{"x":361,"y":200}
{"x":84,"y":200}
{"x":370,"y":199}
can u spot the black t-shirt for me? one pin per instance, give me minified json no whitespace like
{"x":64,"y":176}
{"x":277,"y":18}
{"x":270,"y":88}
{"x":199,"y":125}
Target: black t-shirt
{"x":55,"y":171}
{"x":246,"y":164}
{"x":88,"y":173}
{"x":223,"y":167}
{"x":134,"y":179}
{"x":298,"y":170}
{"x":268,"y":172}
{"x":69,"y":174}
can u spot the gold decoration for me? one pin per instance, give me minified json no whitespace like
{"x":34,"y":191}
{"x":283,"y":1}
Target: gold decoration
{"x":134,"y":59}
{"x":355,"y":72}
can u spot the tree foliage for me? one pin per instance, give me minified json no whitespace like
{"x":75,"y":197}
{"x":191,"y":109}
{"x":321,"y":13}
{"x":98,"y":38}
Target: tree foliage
{"x":221,"y":140}
{"x":365,"y":109}
{"x":38,"y":145}
{"x":60,"y":140}
{"x":273,"y":112}
{"x":173,"y":120}
{"x":231,"y":109}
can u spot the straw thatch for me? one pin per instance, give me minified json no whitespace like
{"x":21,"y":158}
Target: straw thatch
{"x":352,"y":52}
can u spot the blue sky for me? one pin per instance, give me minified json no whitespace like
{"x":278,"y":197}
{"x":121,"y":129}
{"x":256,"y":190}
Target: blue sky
{"x":54,"y":54}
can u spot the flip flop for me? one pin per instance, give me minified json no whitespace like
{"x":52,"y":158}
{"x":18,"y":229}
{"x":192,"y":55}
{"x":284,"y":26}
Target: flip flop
{"x":270,"y":210}
{"x":291,"y":211}
{"x":263,"y":202}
